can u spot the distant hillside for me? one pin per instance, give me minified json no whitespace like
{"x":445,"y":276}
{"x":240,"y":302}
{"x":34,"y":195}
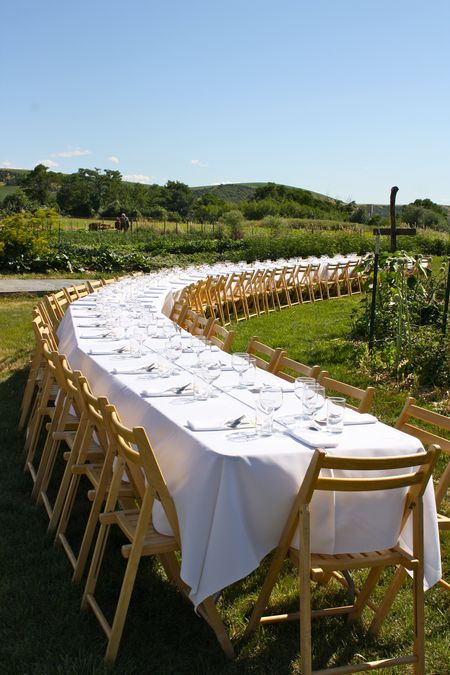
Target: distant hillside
{"x":238,"y":192}
{"x":229,"y":192}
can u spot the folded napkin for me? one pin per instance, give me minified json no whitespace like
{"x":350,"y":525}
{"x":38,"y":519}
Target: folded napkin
{"x":315,"y":439}
{"x":85,"y":316}
{"x":352,"y":418}
{"x":136,"y":371}
{"x":201,"y":425}
{"x":89,"y":325}
{"x":358,"y":418}
{"x":146,"y":393}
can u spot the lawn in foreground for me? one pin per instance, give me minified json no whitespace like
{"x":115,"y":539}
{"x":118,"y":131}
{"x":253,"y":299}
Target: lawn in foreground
{"x":41,"y":628}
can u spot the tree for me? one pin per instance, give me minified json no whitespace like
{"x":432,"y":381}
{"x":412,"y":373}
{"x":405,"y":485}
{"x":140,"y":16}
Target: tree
{"x":234,"y":220}
{"x":37,"y":183}
{"x":16,"y":202}
{"x":179,"y":198}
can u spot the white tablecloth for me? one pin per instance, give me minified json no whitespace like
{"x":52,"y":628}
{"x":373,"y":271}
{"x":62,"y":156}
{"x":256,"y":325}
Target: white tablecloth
{"x":233,"y":497}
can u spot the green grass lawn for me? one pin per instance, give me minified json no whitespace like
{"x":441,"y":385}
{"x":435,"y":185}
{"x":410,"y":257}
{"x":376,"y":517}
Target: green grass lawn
{"x":42,"y":631}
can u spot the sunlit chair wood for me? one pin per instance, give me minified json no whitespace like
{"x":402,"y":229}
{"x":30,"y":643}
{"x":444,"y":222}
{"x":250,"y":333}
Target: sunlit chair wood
{"x":363,"y":396}
{"x":265,"y":357}
{"x":432,"y":426}
{"x":221,"y":337}
{"x":289,"y":369}
{"x":136,"y":460}
{"x":411,"y":472}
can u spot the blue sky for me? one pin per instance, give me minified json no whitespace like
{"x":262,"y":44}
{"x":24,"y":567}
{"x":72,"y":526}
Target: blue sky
{"x":344,"y":97}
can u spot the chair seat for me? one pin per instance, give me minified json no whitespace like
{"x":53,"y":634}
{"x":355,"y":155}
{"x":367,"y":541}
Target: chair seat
{"x":154,"y":541}
{"x":348,"y":561}
{"x":443,"y":522}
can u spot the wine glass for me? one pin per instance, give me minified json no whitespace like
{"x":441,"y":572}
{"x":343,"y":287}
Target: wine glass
{"x":173,"y":348}
{"x":299,"y":385}
{"x":313,"y":399}
{"x":211,"y":367}
{"x":240,"y":362}
{"x":198,"y":346}
{"x":270,"y":399}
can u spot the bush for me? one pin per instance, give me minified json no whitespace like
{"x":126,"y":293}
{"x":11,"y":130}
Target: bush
{"x":24,"y":237}
{"x":408,"y":327}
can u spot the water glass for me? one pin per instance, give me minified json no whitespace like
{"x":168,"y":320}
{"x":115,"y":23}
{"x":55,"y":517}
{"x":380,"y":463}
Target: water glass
{"x":299,"y":384}
{"x":313,"y":400}
{"x":249,"y":375}
{"x":240,"y":362}
{"x":201,"y":387}
{"x":335,"y":414}
{"x":270,"y":399}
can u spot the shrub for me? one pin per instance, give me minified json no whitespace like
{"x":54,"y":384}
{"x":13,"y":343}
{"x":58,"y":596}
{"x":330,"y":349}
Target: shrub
{"x":24,"y":237}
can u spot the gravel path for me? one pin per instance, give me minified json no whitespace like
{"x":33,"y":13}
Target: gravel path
{"x":10,"y":286}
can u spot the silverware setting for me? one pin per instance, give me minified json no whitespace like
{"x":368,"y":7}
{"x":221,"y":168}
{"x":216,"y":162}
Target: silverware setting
{"x":179,"y":390}
{"x":234,"y":422}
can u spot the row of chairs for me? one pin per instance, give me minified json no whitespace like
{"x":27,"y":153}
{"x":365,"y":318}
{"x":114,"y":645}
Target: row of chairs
{"x":242,"y":295}
{"x":273,"y":360}
{"x":86,"y":431}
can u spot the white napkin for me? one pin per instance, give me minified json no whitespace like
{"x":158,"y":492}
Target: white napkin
{"x":315,"y":439}
{"x":358,"y":418}
{"x":351,"y":418}
{"x":136,"y":371}
{"x":201,"y":425}
{"x":146,"y":393}
{"x":89,"y":325}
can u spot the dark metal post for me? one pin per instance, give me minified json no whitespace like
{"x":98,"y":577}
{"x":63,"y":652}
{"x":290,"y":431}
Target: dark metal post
{"x":374,"y":292}
{"x":394,"y":191}
{"x":447,"y":295}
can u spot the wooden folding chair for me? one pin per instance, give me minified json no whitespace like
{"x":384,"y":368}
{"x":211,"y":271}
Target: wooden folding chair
{"x":364,"y":396}
{"x":315,"y":281}
{"x":303,"y":282}
{"x":266,"y":357}
{"x":60,"y":301}
{"x":42,"y":331}
{"x":289,"y":370}
{"x":412,"y":472}
{"x":221,"y":337}
{"x":136,"y":461}
{"x":96,"y":468}
{"x":93,"y":285}
{"x":432,"y":422}
{"x":43,"y":408}
{"x":63,"y":427}
{"x":178,"y":312}
{"x":71,"y":293}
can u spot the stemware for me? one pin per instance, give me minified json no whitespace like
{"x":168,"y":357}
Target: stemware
{"x":299,"y":385}
{"x":240,"y":362}
{"x":313,"y":400}
{"x":270,"y":399}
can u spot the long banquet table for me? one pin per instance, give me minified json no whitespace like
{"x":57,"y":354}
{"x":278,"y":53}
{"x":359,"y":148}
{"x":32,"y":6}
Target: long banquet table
{"x":233,"y":492}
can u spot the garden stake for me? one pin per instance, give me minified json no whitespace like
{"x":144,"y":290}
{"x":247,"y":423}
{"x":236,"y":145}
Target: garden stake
{"x":374,"y":292}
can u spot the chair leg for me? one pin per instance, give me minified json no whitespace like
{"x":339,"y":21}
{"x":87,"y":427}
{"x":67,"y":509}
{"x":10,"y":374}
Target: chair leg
{"x":96,"y":563}
{"x":388,"y":599}
{"x":419,"y":619}
{"x":209,"y":610}
{"x":305,"y":595}
{"x":122,"y":605}
{"x":365,"y":592}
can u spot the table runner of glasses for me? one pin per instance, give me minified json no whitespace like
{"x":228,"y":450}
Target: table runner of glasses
{"x":232,"y":487}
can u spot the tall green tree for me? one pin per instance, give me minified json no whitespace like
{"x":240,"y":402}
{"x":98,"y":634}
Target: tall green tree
{"x":179,"y":198}
{"x":37,"y":184}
